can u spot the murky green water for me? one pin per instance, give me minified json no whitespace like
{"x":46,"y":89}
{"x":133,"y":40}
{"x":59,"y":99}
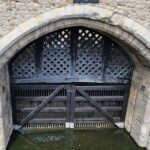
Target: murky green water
{"x":99,"y":139}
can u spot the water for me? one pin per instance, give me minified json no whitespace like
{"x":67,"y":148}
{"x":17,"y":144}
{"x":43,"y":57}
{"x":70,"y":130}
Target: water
{"x":83,"y":139}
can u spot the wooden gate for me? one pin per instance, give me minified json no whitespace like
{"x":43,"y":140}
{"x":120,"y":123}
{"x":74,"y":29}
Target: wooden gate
{"x":70,"y":77}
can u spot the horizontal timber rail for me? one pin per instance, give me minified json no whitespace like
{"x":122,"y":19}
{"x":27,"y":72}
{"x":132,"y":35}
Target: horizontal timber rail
{"x":78,"y":99}
{"x":63,"y":120}
{"x":98,"y":107}
{"x":50,"y":98}
{"x":63,"y":109}
{"x":93,"y":104}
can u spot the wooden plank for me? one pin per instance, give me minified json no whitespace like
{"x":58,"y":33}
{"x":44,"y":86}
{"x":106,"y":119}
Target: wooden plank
{"x":63,"y":120}
{"x":36,"y":110}
{"x":64,"y":79}
{"x":47,"y":121}
{"x":72,"y":104}
{"x":13,"y":103}
{"x":97,"y":106}
{"x":93,"y":120}
{"x":68,"y":105}
{"x":64,"y":109}
{"x":125,"y":102}
{"x":36,"y":87}
{"x":102,"y":87}
{"x":47,"y":110}
{"x":38,"y":55}
{"x":91,"y":109}
{"x":63,"y":98}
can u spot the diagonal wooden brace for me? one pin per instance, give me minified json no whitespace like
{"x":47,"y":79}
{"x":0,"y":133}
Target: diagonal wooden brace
{"x":97,"y":106}
{"x":43,"y":103}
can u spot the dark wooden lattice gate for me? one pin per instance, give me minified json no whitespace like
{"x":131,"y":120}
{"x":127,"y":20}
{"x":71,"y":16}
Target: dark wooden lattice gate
{"x":73,"y":75}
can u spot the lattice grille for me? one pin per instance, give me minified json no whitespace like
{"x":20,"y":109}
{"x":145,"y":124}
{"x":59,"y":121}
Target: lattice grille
{"x":24,"y":65}
{"x":72,"y":54}
{"x":89,"y":55}
{"x":55,"y":62}
{"x":118,"y":65}
{"x":57,"y":40}
{"x":78,"y":56}
{"x":56,"y":53}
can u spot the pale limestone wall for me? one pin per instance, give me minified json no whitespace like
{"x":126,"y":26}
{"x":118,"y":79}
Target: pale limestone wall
{"x":5,"y":108}
{"x":138,"y":113}
{"x":124,"y":30}
{"x":19,"y":11}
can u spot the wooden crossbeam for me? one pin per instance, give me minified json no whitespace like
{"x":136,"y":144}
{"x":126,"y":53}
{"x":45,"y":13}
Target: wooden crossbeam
{"x":43,"y":103}
{"x":97,"y":106}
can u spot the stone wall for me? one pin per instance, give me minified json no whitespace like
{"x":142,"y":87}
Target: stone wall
{"x":15,"y":12}
{"x":5,"y":108}
{"x":137,"y":118}
{"x":122,"y":28}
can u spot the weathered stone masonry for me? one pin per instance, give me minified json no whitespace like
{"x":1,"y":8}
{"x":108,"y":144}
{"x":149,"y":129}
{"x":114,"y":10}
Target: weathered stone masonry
{"x":5,"y":111}
{"x":20,"y":10}
{"x":119,"y":19}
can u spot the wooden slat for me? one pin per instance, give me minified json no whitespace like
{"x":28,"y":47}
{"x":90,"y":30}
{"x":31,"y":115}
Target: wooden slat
{"x":68,"y":105}
{"x":93,"y":120}
{"x":50,"y":110}
{"x":47,"y":121}
{"x":77,"y":99}
{"x":102,"y":87}
{"x":125,"y":102}
{"x":36,"y":86}
{"x":50,"y":98}
{"x":53,"y":80}
{"x":97,"y":106}
{"x":72,"y":104}
{"x":63,"y":120}
{"x":91,"y":109}
{"x":63,"y":109}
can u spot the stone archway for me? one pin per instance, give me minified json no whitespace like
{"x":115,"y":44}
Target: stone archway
{"x":123,"y":30}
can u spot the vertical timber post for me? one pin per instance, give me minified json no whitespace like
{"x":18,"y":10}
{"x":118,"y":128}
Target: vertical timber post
{"x":70,"y":107}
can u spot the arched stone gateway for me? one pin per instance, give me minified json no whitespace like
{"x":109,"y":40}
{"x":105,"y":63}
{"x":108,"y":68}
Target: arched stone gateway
{"x":92,"y":69}
{"x":129,"y":35}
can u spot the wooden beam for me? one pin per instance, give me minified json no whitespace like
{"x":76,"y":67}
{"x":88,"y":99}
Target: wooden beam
{"x":72,"y":103}
{"x":125,"y":102}
{"x":48,"y":121}
{"x":97,"y":106}
{"x":93,"y":120}
{"x":36,"y":110}
{"x":63,"y":98}
{"x":63,"y":109}
{"x":68,"y":105}
{"x":102,"y":87}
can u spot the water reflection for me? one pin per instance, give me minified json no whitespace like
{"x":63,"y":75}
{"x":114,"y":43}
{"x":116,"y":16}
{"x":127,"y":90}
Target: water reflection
{"x":47,"y":139}
{"x":69,"y":140}
{"x":100,"y":139}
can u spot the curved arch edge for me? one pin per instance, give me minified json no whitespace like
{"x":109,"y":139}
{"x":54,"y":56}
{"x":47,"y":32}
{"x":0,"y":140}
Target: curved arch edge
{"x":141,"y":76}
{"x":76,"y":11}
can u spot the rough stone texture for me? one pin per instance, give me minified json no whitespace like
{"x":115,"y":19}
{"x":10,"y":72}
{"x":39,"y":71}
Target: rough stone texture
{"x":116,"y":18}
{"x":18,"y":11}
{"x":117,"y":25}
{"x":5,"y":108}
{"x":138,"y":113}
